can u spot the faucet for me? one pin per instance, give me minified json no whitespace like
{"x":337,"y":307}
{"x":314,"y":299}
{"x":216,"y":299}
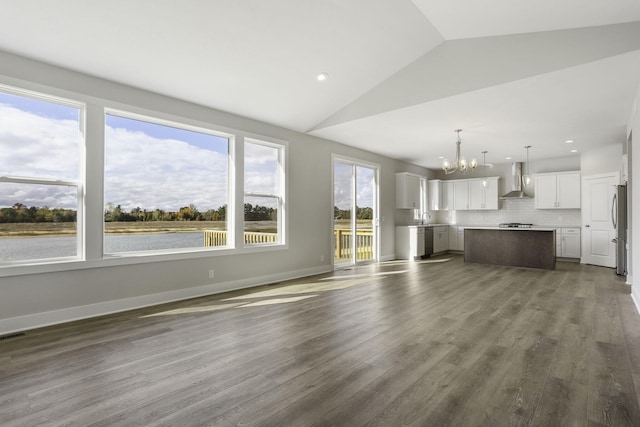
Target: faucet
{"x":422,"y":217}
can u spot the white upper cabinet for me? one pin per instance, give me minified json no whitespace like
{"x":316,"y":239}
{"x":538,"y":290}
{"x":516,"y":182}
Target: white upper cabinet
{"x":435,"y":195}
{"x":569,"y":191}
{"x":491,"y":194}
{"x":408,"y":191}
{"x":440,"y":195}
{"x":488,"y":194}
{"x":557,"y":190}
{"x":463,"y":194}
{"x":446,"y":193}
{"x":472,"y":195}
{"x":476,"y":194}
{"x":460,"y":195}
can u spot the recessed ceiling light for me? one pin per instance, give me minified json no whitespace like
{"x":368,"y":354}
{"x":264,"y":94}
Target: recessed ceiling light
{"x":322,"y":77}
{"x":574,"y":151}
{"x":568,"y":141}
{"x":441,"y":157}
{"x":508,"y":158}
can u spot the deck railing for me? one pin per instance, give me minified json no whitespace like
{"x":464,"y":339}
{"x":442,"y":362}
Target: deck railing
{"x":363,"y":242}
{"x":219,"y":238}
{"x":343,"y":241}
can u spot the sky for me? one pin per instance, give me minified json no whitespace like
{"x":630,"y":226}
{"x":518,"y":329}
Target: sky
{"x":342,"y":193}
{"x":146,"y":165}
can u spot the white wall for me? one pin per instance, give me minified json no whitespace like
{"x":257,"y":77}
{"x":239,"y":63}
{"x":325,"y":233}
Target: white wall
{"x":633,"y":129}
{"x":30,"y":300}
{"x":601,"y":160}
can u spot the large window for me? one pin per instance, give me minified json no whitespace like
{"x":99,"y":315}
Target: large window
{"x":41,"y":196}
{"x":138,"y":185}
{"x":166,"y":186}
{"x":263,"y":193}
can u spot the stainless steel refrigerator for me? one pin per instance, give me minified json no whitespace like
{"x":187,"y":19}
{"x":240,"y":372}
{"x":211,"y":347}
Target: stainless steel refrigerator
{"x":619,"y":219}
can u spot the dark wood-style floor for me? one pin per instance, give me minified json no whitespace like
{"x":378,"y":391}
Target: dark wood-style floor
{"x":427,"y":343}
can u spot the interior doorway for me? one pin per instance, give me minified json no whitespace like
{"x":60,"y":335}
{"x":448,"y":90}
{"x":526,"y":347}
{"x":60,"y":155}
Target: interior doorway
{"x":597,"y":219}
{"x":355,"y":212}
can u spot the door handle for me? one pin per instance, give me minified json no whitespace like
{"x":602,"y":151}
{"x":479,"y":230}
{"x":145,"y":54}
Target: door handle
{"x":614,"y":203}
{"x":587,"y":226}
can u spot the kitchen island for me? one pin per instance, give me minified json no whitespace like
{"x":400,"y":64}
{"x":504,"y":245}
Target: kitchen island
{"x":514,"y":247}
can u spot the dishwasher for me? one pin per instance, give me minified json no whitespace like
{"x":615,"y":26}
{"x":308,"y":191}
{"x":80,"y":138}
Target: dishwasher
{"x":428,"y":242}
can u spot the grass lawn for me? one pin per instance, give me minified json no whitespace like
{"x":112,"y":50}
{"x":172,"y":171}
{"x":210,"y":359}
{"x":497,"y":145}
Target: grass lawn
{"x":69,"y":228}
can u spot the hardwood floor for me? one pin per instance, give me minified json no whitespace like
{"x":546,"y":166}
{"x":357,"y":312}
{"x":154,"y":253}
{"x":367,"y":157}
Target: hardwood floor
{"x":399,"y":343}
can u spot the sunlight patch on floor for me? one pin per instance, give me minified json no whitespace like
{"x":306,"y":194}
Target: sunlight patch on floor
{"x":408,"y":262}
{"x":190,"y":310}
{"x":322,"y":285}
{"x":351,"y":276}
{"x":432,"y":261}
{"x":276,"y":301}
{"x":302,"y":288}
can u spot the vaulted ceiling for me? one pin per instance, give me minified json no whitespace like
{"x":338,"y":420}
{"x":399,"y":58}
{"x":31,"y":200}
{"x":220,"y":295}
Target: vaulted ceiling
{"x":402,"y":75}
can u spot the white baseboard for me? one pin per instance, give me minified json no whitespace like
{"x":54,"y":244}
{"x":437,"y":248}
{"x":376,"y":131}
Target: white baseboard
{"x":38,"y":320}
{"x":390,"y":257}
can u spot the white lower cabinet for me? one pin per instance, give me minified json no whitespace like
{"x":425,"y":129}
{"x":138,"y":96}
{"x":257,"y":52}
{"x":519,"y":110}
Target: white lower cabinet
{"x":440,"y":239}
{"x":409,"y":242}
{"x":568,"y":242}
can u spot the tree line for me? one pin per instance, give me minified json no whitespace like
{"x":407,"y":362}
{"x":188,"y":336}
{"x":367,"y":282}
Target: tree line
{"x":19,"y":213}
{"x":361,"y":213}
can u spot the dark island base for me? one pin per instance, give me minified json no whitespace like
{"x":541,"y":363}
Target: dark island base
{"x":514,"y":248}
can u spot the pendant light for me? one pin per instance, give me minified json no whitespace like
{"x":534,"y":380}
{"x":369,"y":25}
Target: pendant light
{"x":484,"y":168}
{"x":526,"y":178}
{"x":460,"y":164}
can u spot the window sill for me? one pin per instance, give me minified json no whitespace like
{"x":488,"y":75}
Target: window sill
{"x":112,"y":260}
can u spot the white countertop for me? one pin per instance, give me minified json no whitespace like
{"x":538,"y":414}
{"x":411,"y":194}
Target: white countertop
{"x":510,"y":228}
{"x":535,"y":227}
{"x":425,"y":225}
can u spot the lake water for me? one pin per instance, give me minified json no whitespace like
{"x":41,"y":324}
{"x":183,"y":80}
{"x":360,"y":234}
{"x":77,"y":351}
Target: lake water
{"x":16,"y":249}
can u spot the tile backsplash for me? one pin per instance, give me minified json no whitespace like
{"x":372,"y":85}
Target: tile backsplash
{"x":517,"y":210}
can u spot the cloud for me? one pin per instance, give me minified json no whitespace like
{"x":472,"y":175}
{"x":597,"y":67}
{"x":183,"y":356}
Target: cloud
{"x":141,"y":170}
{"x":37,"y":146}
{"x":260,"y":169}
{"x":154,"y":173}
{"x":343,"y":197}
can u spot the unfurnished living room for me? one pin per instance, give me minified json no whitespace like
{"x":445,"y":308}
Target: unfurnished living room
{"x":286,"y":213}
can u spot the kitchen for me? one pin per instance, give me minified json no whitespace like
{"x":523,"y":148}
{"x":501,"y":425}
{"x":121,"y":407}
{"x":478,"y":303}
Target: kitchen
{"x":551,"y":202}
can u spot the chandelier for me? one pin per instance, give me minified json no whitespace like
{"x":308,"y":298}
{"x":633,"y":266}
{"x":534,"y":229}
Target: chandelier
{"x":461,"y":164}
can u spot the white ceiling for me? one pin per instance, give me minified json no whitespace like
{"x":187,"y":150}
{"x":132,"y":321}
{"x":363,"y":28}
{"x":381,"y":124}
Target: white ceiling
{"x":402,"y":74}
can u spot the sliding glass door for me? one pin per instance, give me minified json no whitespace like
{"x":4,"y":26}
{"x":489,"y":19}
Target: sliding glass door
{"x":355,"y":198}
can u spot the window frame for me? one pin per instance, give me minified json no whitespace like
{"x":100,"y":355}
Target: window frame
{"x":79,"y":183}
{"x":281,"y":196}
{"x":90,"y":219}
{"x":181,"y":124}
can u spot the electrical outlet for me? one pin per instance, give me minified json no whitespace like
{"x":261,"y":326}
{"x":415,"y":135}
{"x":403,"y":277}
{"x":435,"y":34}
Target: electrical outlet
{"x":211,"y":274}
{"x":321,"y":258}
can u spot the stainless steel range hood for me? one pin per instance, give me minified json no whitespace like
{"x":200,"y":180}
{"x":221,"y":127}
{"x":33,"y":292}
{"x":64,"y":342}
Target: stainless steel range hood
{"x":516,"y":184}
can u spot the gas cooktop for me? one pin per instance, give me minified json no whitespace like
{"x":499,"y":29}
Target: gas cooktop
{"x":514,"y":225}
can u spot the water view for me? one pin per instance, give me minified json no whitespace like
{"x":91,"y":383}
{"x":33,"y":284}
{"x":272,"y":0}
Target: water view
{"x":16,"y":249}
